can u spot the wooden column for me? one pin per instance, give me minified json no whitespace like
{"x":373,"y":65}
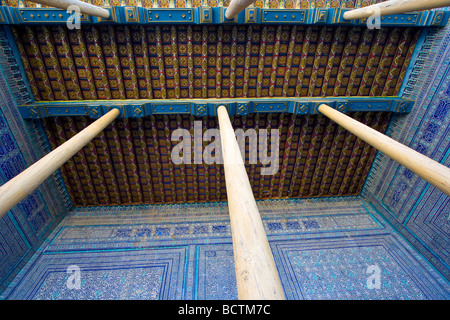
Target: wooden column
{"x":237,"y":6}
{"x":19,"y":187}
{"x":256,"y":274}
{"x":395,"y":7}
{"x":428,"y":169}
{"x":87,"y":8}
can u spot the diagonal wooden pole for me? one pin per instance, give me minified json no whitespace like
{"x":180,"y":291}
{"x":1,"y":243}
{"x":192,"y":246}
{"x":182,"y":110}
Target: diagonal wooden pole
{"x":432,"y":171}
{"x":237,"y":6}
{"x":256,"y":273}
{"x":86,"y":8}
{"x":19,"y":187}
{"x":395,"y":7}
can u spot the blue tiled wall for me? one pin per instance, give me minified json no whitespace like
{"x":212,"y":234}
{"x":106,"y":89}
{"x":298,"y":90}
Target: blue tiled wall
{"x":418,"y":210}
{"x":24,"y":227}
{"x":186,"y":260}
{"x":322,"y":249}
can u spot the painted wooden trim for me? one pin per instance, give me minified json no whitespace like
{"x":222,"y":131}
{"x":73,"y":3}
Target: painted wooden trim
{"x":217,"y":15}
{"x":208,"y":107}
{"x":86,"y":8}
{"x":392,"y":7}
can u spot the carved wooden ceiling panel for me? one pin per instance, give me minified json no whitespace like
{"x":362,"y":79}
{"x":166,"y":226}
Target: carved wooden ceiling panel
{"x":130,"y":162}
{"x":198,"y":62}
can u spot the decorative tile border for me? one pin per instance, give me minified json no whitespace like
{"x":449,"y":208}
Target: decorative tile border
{"x":185,"y":252}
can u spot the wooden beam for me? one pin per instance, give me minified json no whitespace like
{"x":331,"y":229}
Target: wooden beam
{"x":428,"y":169}
{"x":86,"y":8}
{"x":256,"y":274}
{"x":237,"y":6}
{"x":19,"y":187}
{"x":395,"y":7}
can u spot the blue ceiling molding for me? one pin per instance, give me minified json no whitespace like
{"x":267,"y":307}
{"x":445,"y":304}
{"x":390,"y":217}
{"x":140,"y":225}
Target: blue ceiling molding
{"x":216,"y":15}
{"x":240,"y":107}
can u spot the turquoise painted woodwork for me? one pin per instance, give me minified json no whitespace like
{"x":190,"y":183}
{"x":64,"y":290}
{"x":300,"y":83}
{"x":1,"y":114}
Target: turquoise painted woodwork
{"x":216,"y":15}
{"x":207,"y":107}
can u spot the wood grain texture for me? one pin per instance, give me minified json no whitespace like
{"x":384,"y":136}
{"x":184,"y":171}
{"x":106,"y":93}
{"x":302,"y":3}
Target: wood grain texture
{"x":256,"y":273}
{"x":426,"y":168}
{"x":16,"y":189}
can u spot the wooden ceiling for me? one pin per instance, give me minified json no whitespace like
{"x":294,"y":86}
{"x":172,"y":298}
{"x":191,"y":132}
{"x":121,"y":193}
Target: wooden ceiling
{"x":130,"y":162}
{"x":159,"y":62}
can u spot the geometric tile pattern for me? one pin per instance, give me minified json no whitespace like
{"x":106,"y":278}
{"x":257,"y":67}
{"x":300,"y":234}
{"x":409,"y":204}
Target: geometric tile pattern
{"x":416,"y":208}
{"x":337,"y":269}
{"x":184,"y":252}
{"x":26,"y":224}
{"x":130,"y":161}
{"x":322,"y":248}
{"x":24,"y":135}
{"x":155,"y":274}
{"x":22,"y":227}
